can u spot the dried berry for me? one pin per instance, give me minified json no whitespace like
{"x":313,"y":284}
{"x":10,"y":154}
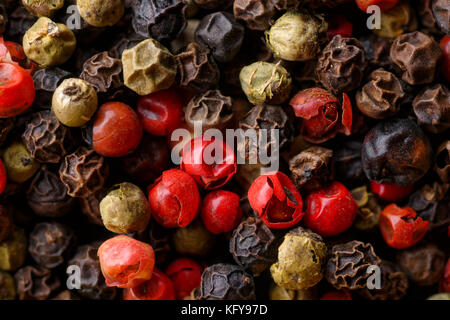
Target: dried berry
{"x":83,"y":172}
{"x":257,"y":14}
{"x":13,"y":250}
{"x":348,"y":263}
{"x":47,"y":195}
{"x":7,"y":286}
{"x":99,"y":13}
{"x":35,"y":283}
{"x":50,"y":243}
{"x":407,"y":52}
{"x":19,"y":164}
{"x":441,"y":12}
{"x":442,"y":161}
{"x":226,"y":282}
{"x":380,"y":97}
{"x":377,"y":50}
{"x":341,"y":65}
{"x":194,"y":240}
{"x":20,"y":20}
{"x":90,"y":206}
{"x":43,"y":8}
{"x":369,"y":209}
{"x":253,"y":245}
{"x":210,"y":109}
{"x":397,"y":20}
{"x":45,"y":83}
{"x":197,"y":70}
{"x":432,"y":108}
{"x":426,"y":16}
{"x":125,"y":41}
{"x":347,"y":159}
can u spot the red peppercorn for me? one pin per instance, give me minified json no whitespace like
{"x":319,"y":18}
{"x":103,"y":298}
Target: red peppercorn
{"x":383,"y":4}
{"x":337,"y":295}
{"x":16,"y":90}
{"x":186,"y":275}
{"x":117,"y":130}
{"x":17,"y":54}
{"x":159,"y":287}
{"x":220,"y":211}
{"x":2,"y":177}
{"x":445,"y":282}
{"x":211,"y":162}
{"x":330,"y":210}
{"x":338,"y":24}
{"x":390,"y":192}
{"x":276,"y":200}
{"x":126,"y":262}
{"x":174,"y":199}
{"x":161,"y":112}
{"x":401,"y":228}
{"x":445,"y":65}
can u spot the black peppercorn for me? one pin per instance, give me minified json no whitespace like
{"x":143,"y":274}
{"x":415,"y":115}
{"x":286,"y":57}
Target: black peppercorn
{"x":45,"y":83}
{"x":35,"y":283}
{"x":441,"y":12}
{"x":257,"y":14}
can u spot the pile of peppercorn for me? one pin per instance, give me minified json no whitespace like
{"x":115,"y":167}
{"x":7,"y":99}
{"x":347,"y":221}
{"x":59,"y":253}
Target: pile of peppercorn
{"x":92,"y":90}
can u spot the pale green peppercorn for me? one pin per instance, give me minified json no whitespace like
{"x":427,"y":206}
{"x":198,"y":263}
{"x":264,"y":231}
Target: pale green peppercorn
{"x":7,"y":286}
{"x":125,"y":209}
{"x":194,"y":240}
{"x":43,"y":8}
{"x":368,"y":209}
{"x":13,"y":251}
{"x":19,"y":164}
{"x":264,"y":82}
{"x":101,"y":13}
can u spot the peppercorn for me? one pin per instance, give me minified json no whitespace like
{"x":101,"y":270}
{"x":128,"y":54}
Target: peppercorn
{"x":226,"y":282}
{"x":193,"y":240}
{"x":220,"y":211}
{"x":368,"y":209}
{"x":45,"y":83}
{"x":124,"y":42}
{"x":297,"y":36}
{"x":35,"y":283}
{"x":20,"y":20}
{"x":257,"y":14}
{"x":186,"y":276}
{"x":47,"y":195}
{"x":376,"y":49}
{"x":441,"y":13}
{"x":301,"y":257}
{"x":48,"y":43}
{"x":159,"y":287}
{"x":92,"y":282}
{"x":432,"y":108}
{"x":442,"y":161}
{"x":125,"y":209}
{"x":43,"y":8}
{"x":19,"y":164}
{"x":90,"y":206}
{"x":7,"y":286}
{"x":148,"y":67}
{"x":13,"y":250}
{"x":100,"y":14}
{"x":279,"y":293}
{"x":397,"y":20}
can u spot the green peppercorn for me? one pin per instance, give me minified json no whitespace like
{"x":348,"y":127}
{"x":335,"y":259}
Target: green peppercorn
{"x":101,"y":13}
{"x":74,"y":102}
{"x":7,"y":286}
{"x":48,"y":43}
{"x":125,"y":209}
{"x":13,"y":251}
{"x":301,"y":257}
{"x":368,"y":209}
{"x":194,"y":240}
{"x":297,"y":36}
{"x":280,"y":293}
{"x":264,"y":82}
{"x":43,"y":8}
{"x":19,"y":164}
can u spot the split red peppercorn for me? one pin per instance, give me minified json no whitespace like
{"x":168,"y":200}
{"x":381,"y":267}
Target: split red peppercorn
{"x":445,"y":282}
{"x":161,"y":112}
{"x":330,"y":210}
{"x":401,"y":228}
{"x":210,"y":161}
{"x":174,"y":199}
{"x":338,"y":24}
{"x":445,"y":65}
{"x":17,"y":91}
{"x":384,"y":5}
{"x":276,"y":200}
{"x":17,"y":54}
{"x":337,"y":295}
{"x":159,"y":287}
{"x":126,"y":262}
{"x":186,"y":275}
{"x":117,"y":130}
{"x":220,"y":211}
{"x":390,"y":192}
{"x":2,"y":177}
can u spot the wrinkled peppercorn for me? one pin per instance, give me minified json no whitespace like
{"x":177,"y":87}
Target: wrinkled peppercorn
{"x":45,"y":83}
{"x":257,"y":14}
{"x":426,"y":16}
{"x":442,"y":161}
{"x":99,"y":13}
{"x":90,"y":206}
{"x":432,"y":108}
{"x":369,"y":209}
{"x":42,"y":8}
{"x":348,"y":263}
{"x":47,"y":195}
{"x":424,"y":264}
{"x":125,"y":41}
{"x":13,"y":250}
{"x":226,"y":282}
{"x":20,"y":20}
{"x":194,"y":239}
{"x":35,"y":283}
{"x":7,"y":286}
{"x":376,"y":49}
{"x":441,"y":12}
{"x":83,"y":172}
{"x":253,"y":245}
{"x":397,"y":20}
{"x":50,"y":243}
{"x":211,"y":109}
{"x":396,"y":151}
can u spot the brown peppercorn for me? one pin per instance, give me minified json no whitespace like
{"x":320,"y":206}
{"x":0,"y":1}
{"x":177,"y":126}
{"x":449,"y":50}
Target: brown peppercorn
{"x":194,"y":240}
{"x":213,"y":5}
{"x":46,"y":139}
{"x":7,"y":286}
{"x":50,"y":243}
{"x":257,"y":14}
{"x":6,"y":223}
{"x":6,"y":125}
{"x":43,"y":8}
{"x":341,"y":65}
{"x":441,"y":12}
{"x":394,"y":22}
{"x":90,"y":206}
{"x":210,"y":109}
{"x":45,"y":83}
{"x":35,"y":283}
{"x":407,"y":52}
{"x":48,"y":43}
{"x":92,"y":282}
{"x":197,"y":70}
{"x":103,"y":72}
{"x":432,"y":108}
{"x":253,"y":245}
{"x":348,"y":263}
{"x":424,"y":264}
{"x":442,"y":161}
{"x":224,"y":281}
{"x":148,"y":67}
{"x":47,"y":195}
{"x":186,"y":37}
{"x":380,"y":97}
{"x":377,"y":50}
{"x":83,"y":172}
{"x":13,"y":250}
{"x":312,"y":168}
{"x":426,"y":16}
{"x":100,"y":13}
{"x":394,"y":284}
{"x":287,"y":4}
